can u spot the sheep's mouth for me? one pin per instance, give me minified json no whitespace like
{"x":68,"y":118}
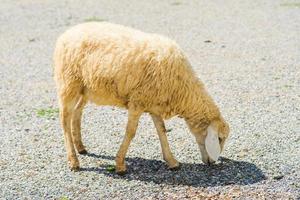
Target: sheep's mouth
{"x":205,"y":156}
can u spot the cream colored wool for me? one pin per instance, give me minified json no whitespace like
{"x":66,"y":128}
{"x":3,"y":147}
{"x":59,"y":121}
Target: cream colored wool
{"x":110,"y":64}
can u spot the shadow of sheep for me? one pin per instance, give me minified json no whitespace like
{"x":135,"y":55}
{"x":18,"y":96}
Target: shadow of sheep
{"x":226,"y":172}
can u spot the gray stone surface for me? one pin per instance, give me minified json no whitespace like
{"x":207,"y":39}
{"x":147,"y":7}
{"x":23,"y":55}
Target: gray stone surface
{"x":246,"y":52}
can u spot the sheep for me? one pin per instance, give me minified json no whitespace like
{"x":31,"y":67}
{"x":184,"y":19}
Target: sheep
{"x":109,"y":64}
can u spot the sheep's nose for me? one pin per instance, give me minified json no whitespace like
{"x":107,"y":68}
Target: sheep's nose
{"x":210,"y":162}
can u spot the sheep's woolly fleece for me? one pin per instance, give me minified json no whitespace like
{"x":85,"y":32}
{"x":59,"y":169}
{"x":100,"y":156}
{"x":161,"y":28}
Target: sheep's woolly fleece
{"x":116,"y":65}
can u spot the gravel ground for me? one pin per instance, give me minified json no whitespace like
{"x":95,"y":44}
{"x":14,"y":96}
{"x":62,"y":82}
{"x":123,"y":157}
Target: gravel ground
{"x":246,"y":52}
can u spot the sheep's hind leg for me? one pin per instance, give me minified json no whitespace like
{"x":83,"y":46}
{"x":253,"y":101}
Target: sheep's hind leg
{"x":161,"y":130}
{"x":76,"y":125}
{"x":133,"y":118}
{"x":66,"y":116}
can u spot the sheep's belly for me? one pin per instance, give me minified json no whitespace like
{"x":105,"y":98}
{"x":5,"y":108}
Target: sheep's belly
{"x":105,"y":99}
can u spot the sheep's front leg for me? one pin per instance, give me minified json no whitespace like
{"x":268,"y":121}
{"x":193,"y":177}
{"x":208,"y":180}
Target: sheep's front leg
{"x":133,"y":118}
{"x":161,"y":130}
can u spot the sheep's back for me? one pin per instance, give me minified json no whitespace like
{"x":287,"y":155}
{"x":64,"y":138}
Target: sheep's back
{"x":128,"y":64}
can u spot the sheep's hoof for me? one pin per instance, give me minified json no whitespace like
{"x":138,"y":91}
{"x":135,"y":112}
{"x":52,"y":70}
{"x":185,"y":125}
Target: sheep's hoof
{"x":121,"y":173}
{"x":175,"y":168}
{"x":82,"y":152}
{"x":73,"y":163}
{"x":121,"y":170}
{"x":173,"y":164}
{"x":75,"y":168}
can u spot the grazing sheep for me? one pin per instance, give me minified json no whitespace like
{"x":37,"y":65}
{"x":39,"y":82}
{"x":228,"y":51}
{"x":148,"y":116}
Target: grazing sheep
{"x":110,"y":64}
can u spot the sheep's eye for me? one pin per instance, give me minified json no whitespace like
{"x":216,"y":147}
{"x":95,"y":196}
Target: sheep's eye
{"x":220,"y":139}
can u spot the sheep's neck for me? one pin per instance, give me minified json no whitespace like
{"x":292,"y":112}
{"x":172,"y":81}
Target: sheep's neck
{"x":199,"y":107}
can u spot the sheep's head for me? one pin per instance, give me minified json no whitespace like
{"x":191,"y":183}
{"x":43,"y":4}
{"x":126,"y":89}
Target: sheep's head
{"x":210,"y":139}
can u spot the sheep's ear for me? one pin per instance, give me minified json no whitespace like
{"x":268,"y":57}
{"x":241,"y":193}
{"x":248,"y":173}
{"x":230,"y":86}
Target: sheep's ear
{"x":212,"y":144}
